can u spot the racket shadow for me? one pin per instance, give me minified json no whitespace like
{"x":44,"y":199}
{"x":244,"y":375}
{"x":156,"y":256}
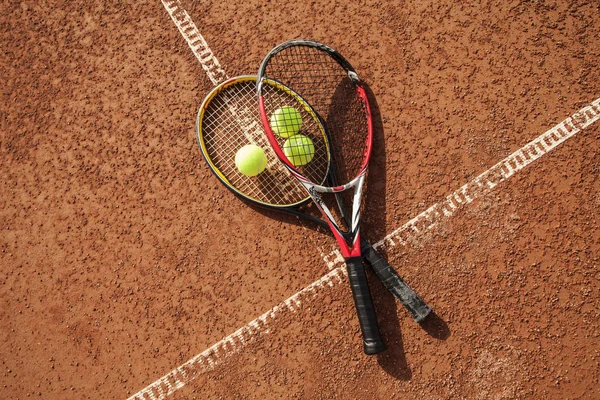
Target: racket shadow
{"x":290,"y":219}
{"x":393,"y":360}
{"x":373,"y":221}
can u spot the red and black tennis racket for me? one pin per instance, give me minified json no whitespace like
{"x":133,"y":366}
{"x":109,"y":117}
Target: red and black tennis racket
{"x":316,"y":115}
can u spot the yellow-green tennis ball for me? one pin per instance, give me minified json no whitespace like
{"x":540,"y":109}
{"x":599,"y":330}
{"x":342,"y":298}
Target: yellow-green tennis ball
{"x":299,"y":149}
{"x":250,"y":160}
{"x":286,"y":121}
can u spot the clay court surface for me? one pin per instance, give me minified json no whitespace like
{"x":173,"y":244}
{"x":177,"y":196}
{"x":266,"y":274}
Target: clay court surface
{"x":123,"y":257}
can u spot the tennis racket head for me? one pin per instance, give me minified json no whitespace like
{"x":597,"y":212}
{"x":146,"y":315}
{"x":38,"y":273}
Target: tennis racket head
{"x":324,"y":80}
{"x":227,"y":120}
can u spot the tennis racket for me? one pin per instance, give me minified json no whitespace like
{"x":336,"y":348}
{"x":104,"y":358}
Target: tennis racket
{"x":227,"y":120}
{"x":317,"y":118}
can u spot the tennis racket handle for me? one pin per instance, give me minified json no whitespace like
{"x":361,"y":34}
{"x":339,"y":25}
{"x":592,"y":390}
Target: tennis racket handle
{"x":367,"y":319}
{"x":394,"y":283}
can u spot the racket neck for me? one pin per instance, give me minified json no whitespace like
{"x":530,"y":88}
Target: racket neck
{"x":349,"y":239}
{"x":349,"y":242}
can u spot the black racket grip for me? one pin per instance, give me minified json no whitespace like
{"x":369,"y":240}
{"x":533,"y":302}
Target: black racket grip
{"x":394,"y":283}
{"x":367,"y":319}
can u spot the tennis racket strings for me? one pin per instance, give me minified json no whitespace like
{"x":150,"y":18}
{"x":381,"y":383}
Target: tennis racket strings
{"x":229,"y":120}
{"x":322,"y":82}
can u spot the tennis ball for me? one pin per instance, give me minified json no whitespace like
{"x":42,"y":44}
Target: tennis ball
{"x":299,"y":149}
{"x":250,"y":160}
{"x":286,"y":121}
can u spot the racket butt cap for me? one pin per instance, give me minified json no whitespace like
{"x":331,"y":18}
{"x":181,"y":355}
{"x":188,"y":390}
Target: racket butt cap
{"x":373,"y":347}
{"x":421,"y":314}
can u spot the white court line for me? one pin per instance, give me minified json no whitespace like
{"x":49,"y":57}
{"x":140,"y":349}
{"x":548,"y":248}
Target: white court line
{"x":253,"y":130}
{"x":234,"y":343}
{"x":194,"y":39}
